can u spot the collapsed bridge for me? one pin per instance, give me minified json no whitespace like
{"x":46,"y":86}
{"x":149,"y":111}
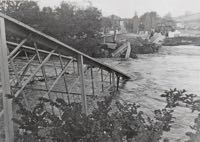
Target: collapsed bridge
{"x":34,"y":64}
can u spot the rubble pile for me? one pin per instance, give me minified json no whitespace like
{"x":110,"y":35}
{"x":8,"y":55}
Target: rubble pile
{"x":138,"y":45}
{"x":143,"y":46}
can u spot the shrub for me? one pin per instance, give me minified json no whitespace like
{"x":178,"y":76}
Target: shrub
{"x":124,"y":122}
{"x":175,"y":98}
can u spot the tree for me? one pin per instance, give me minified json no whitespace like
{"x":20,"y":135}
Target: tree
{"x":168,"y":16}
{"x":141,"y":27}
{"x":106,"y":24}
{"x":78,"y":27}
{"x":89,"y":22}
{"x":136,"y":22}
{"x":25,"y":11}
{"x":150,"y":20}
{"x":111,"y":22}
{"x":147,"y":22}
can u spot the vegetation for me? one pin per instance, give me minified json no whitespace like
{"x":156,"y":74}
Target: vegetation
{"x":81,"y":28}
{"x":141,"y":46}
{"x":149,"y":21}
{"x":78,"y":27}
{"x":179,"y":97}
{"x":106,"y":123}
{"x":111,"y":23}
{"x":124,"y":122}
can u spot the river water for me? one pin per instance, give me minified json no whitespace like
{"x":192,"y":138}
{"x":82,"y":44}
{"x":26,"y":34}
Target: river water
{"x":172,"y":67}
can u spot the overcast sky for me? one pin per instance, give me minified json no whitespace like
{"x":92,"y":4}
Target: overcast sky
{"x":127,"y":8}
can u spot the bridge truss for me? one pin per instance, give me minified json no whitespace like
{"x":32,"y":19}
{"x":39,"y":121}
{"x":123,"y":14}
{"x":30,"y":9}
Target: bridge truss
{"x":33,"y":64}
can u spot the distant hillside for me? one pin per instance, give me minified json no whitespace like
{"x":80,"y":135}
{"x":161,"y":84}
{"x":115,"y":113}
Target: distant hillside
{"x":189,"y":18}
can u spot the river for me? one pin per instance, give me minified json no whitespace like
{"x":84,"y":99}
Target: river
{"x":172,"y":67}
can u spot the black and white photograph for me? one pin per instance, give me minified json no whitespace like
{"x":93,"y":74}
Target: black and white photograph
{"x":99,"y":71}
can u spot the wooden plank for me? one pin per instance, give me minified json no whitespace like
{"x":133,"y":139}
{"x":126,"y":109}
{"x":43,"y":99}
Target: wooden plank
{"x":115,"y":36}
{"x":78,"y":67}
{"x":14,"y":56}
{"x":54,"y":65}
{"x":118,"y":78}
{"x":102,"y":80}
{"x":33,"y":50}
{"x":33,"y":74}
{"x":59,"y":76}
{"x":65,"y":81}
{"x":44,"y":74}
{"x":128,"y":51}
{"x":92,"y":78}
{"x":1,"y":113}
{"x":110,"y":78}
{"x":74,"y":67}
{"x":82,"y":80}
{"x":119,"y":50}
{"x":19,"y":81}
{"x":76,"y":81}
{"x":113,"y":79}
{"x":42,"y":67}
{"x":7,"y":103}
{"x":17,"y":48}
{"x":45,"y":90}
{"x":26,"y":67}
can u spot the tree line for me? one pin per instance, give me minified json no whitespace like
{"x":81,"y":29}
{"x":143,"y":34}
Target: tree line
{"x":78,"y":27}
{"x":150,"y":21}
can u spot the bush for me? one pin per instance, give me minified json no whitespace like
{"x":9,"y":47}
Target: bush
{"x":124,"y":122}
{"x":106,"y":123}
{"x":179,"y":97}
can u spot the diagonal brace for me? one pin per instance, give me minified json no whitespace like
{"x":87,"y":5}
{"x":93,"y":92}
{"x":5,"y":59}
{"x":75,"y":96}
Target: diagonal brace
{"x":17,"y":48}
{"x":38,"y":68}
{"x":60,"y":75}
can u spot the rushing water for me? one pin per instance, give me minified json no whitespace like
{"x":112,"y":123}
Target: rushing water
{"x":172,"y":67}
{"x":177,"y":66}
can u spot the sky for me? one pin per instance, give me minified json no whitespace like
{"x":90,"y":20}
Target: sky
{"x":127,"y":8}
